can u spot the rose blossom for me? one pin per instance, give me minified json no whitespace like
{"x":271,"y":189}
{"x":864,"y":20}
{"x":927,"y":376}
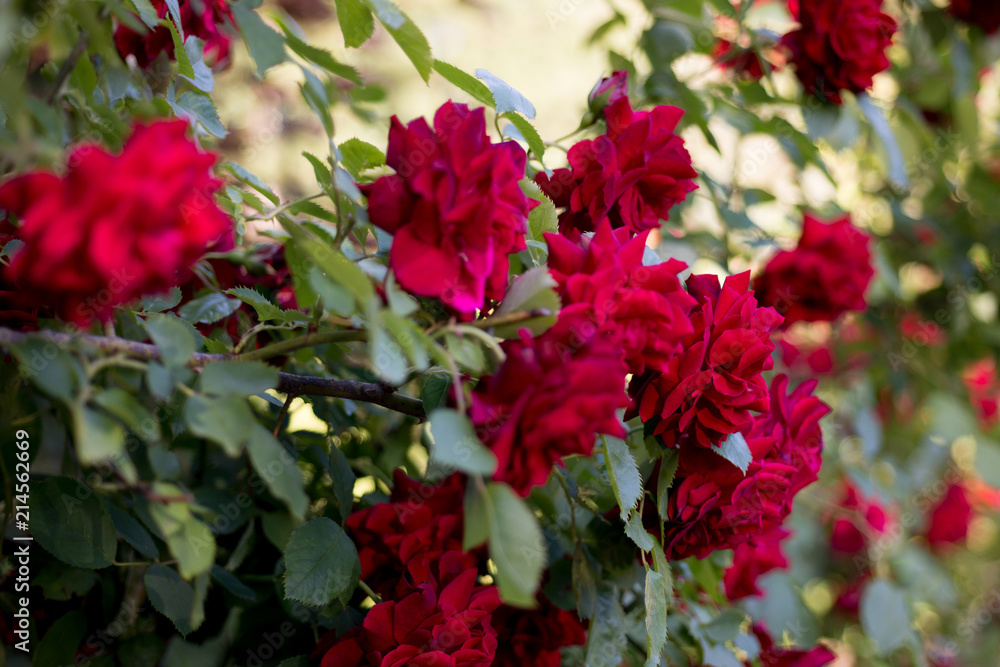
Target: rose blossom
{"x":116,"y":227}
{"x":824,"y":277}
{"x":550,"y":398}
{"x":534,"y":638}
{"x":949,"y":519}
{"x":204,"y":19}
{"x":713,"y":505}
{"x":644,"y":309}
{"x":984,"y":13}
{"x":857,"y":521}
{"x":454,"y":205}
{"x":983,"y":387}
{"x":752,"y":560}
{"x":444,"y":622}
{"x":608,"y":90}
{"x":776,"y":656}
{"x":406,"y":535}
{"x":632,"y":175}
{"x":710,"y":390}
{"x":840,"y":45}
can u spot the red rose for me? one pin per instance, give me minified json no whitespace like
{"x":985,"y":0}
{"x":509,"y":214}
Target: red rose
{"x":752,"y":560}
{"x":408,"y":534}
{"x":632,"y":175}
{"x":743,"y":61}
{"x":840,"y":45}
{"x":949,"y":520}
{"x":18,"y":309}
{"x":116,"y":227}
{"x":608,"y":90}
{"x":454,"y":205}
{"x":857,"y":521}
{"x":205,"y":19}
{"x":644,"y":309}
{"x":983,"y":387}
{"x":812,"y":359}
{"x":775,"y":656}
{"x":713,"y":505}
{"x":445,"y":622}
{"x":984,"y":13}
{"x":534,"y":638}
{"x":790,"y":431}
{"x":549,"y":399}
{"x":922,"y":332}
{"x":709,"y":390}
{"x":823,"y":278}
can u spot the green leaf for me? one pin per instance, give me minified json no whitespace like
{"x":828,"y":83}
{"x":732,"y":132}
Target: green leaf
{"x":988,"y":461}
{"x":543,"y":218}
{"x":97,"y":437}
{"x":477,"y":510}
{"x":606,"y":636}
{"x":656,"y":616}
{"x":736,"y":450}
{"x":209,"y":308}
{"x":505,"y":97}
{"x":387,"y":357}
{"x":333,"y":263}
{"x":69,"y":521}
{"x":61,"y":583}
{"x":60,"y":643}
{"x":435,"y":391}
{"x":885,"y":615}
{"x":343,"y":480}
{"x":232,"y":584}
{"x":201,"y":108}
{"x":466,"y":82}
{"x":237,"y":378}
{"x":456,"y":446}
{"x":527,"y":132}
{"x":876,"y":118}
{"x":265,"y":309}
{"x":356,"y":22}
{"x":203,"y":80}
{"x":532,"y":289}
{"x":665,"y":479}
{"x":319,"y":56}
{"x":406,"y":33}
{"x":358,"y":156}
{"x":147,"y":13}
{"x":184,"y":67}
{"x":132,"y":531}
{"x":172,"y":596}
{"x":725,"y":626}
{"x":252,"y":180}
{"x":126,"y":407}
{"x":335,"y":297}
{"x":279,"y":470}
{"x":637,"y":532}
{"x":193,"y":545}
{"x":516,"y":545}
{"x":157,"y":303}
{"x":50,"y":368}
{"x":321,"y":170}
{"x":173,"y":337}
{"x":226,"y":420}
{"x":623,"y":473}
{"x":265,"y":44}
{"x":321,"y":563}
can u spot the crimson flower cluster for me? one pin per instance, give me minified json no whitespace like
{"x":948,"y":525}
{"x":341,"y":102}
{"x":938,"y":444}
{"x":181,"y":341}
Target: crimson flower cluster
{"x":92,"y":242}
{"x":838,"y":46}
{"x":550,"y":398}
{"x":710,"y":390}
{"x":633,"y":174}
{"x":715,"y":505}
{"x":208,"y":20}
{"x":434,"y":610}
{"x":454,"y":205}
{"x":825,"y":276}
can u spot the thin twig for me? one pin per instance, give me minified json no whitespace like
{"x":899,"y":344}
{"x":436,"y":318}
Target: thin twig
{"x":281,"y":415}
{"x":68,"y":65}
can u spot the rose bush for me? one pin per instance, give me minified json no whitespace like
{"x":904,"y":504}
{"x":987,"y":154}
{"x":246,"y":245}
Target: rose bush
{"x":454,"y":392}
